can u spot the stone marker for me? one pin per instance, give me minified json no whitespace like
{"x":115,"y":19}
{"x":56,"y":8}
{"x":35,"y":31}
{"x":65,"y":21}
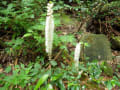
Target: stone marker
{"x":99,"y":47}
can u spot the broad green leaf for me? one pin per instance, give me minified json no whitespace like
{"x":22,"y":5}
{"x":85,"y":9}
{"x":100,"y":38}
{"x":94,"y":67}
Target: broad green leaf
{"x":41,"y":81}
{"x":109,"y":85}
{"x":27,"y":35}
{"x":4,"y":2}
{"x":62,"y":65}
{"x":53,"y":63}
{"x":113,"y":83}
{"x":75,"y":88}
{"x":61,"y":85}
{"x":49,"y":87}
{"x":86,"y":44}
{"x":56,"y":77}
{"x":118,"y":66}
{"x":8,"y":69}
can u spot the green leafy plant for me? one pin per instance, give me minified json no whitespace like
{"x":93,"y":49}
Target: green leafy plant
{"x":34,"y":76}
{"x":41,"y":81}
{"x":20,"y":77}
{"x":94,"y":70}
{"x":112,"y":83}
{"x":23,"y":21}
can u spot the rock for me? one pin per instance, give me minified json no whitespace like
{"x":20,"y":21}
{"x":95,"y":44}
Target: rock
{"x":115,"y":42}
{"x":99,"y":47}
{"x":118,"y":59}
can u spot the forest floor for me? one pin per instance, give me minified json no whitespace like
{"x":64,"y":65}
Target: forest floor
{"x":8,"y":60}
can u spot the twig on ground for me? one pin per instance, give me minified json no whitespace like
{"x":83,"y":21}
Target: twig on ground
{"x":58,"y":54}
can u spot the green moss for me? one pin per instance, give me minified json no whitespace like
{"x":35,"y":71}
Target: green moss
{"x":99,"y":47}
{"x":115,"y":42}
{"x":66,"y":19}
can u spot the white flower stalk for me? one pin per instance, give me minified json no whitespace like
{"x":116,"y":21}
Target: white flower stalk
{"x":49,"y":30}
{"x":77,"y":54}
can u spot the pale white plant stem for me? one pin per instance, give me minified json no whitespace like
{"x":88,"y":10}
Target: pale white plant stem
{"x":49,"y":30}
{"x":77,"y":54}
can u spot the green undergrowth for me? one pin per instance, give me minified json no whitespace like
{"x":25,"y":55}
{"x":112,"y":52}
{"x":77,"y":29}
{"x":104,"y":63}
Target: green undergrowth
{"x":35,"y":76}
{"x":22,"y":29}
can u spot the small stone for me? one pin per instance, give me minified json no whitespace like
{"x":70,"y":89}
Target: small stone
{"x":118,"y":59}
{"x":115,"y":42}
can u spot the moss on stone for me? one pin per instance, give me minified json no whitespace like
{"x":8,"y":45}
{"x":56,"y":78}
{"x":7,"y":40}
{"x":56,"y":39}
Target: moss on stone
{"x":115,"y":42}
{"x":99,"y":47}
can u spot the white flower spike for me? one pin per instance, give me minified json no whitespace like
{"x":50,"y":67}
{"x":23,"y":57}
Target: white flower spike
{"x":77,"y":54}
{"x":49,"y":30}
